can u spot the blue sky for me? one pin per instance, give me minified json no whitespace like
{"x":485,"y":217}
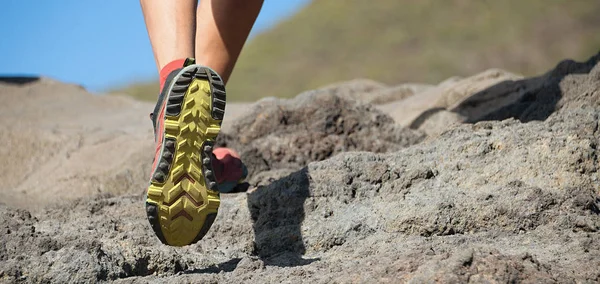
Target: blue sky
{"x":97,"y":44}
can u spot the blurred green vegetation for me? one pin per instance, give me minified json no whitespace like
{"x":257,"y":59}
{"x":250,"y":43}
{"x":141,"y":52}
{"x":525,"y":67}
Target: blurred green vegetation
{"x":397,"y":41}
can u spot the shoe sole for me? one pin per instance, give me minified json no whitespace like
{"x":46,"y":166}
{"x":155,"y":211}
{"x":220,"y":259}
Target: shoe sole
{"x":183,"y":198}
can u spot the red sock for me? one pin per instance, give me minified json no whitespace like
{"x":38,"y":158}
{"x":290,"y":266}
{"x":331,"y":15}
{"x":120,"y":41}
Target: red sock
{"x":165,"y":71}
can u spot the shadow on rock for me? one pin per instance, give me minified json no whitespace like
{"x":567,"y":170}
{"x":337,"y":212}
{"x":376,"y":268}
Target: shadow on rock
{"x":277,"y":212}
{"x":288,"y":259}
{"x":227,"y":266}
{"x":526,"y":100}
{"x":535,"y":103}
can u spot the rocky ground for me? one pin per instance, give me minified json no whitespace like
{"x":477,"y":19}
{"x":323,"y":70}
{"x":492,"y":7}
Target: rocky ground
{"x":491,"y":178}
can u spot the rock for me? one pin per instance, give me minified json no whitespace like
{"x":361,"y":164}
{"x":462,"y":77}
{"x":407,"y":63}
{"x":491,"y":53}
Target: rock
{"x":346,"y":195}
{"x":314,"y":126}
{"x":369,"y":91}
{"x":435,"y":121}
{"x":62,"y":143}
{"x":414,"y":110}
{"x":360,"y":89}
{"x":397,"y":93}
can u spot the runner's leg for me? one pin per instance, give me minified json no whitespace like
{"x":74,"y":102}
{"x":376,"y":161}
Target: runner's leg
{"x":171,"y":29}
{"x":222,"y":29}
